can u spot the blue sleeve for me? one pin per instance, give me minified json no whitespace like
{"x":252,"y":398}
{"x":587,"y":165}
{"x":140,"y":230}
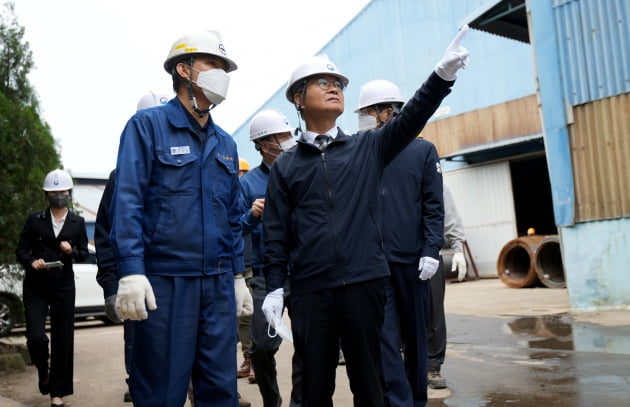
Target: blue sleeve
{"x":133,"y":169}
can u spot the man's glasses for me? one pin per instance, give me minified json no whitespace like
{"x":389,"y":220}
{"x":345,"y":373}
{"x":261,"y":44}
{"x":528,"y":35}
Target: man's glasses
{"x":325,"y":84}
{"x":370,"y":110}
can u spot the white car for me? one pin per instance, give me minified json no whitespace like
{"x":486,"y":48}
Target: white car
{"x":89,"y":300}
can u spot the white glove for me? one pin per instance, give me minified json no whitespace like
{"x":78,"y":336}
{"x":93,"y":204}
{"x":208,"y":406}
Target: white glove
{"x":455,"y":58}
{"x":459,"y":263}
{"x":273,"y":304}
{"x":244,"y":302}
{"x":133,"y":290}
{"x":427,"y":267}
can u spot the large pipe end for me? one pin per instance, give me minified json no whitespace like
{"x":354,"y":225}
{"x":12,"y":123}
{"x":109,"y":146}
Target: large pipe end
{"x":548,"y":262}
{"x":516,"y":262}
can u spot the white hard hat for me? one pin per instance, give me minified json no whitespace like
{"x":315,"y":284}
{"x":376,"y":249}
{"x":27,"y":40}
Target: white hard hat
{"x":151,"y":100}
{"x":317,"y":65}
{"x":377,"y":92}
{"x":57,"y":180}
{"x":267,"y":122}
{"x":207,"y":42}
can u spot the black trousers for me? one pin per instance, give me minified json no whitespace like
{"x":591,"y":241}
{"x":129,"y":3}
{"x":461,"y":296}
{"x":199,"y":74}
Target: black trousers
{"x":354,"y":314}
{"x":54,"y":294}
{"x":436,"y":329}
{"x":264,"y":348}
{"x":412,"y":298}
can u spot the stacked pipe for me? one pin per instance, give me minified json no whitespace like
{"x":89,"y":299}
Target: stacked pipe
{"x":530,"y":261}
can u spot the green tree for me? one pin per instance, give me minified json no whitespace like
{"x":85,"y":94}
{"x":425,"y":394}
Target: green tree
{"x":28,"y":150}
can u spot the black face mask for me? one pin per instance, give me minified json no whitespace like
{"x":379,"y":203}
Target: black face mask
{"x":59,"y":201}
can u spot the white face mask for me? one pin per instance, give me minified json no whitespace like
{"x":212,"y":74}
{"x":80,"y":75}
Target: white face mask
{"x":283,"y":146}
{"x":287,"y":144}
{"x":214,"y":84}
{"x":366,"y":122}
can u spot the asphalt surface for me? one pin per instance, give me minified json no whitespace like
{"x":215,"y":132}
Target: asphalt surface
{"x":506,"y":347}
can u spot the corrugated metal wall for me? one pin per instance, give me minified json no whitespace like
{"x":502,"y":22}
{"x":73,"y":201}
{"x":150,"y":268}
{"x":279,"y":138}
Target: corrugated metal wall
{"x":484,"y":199}
{"x":600,"y":149}
{"x":594,"y":48}
{"x":516,"y":117}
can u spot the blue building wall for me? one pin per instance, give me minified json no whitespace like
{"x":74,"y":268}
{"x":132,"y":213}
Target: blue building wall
{"x":596,"y":256}
{"x":581,"y":51}
{"x":594,"y":52}
{"x":402,"y":40}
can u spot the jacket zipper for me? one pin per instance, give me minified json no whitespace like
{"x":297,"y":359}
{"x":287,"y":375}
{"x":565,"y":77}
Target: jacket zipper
{"x":331,"y":207}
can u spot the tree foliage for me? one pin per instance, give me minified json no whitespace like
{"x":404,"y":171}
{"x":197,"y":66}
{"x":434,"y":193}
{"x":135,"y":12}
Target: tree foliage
{"x":28,"y":149}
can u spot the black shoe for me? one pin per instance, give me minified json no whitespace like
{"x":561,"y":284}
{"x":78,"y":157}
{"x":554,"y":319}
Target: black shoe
{"x":127,"y":397}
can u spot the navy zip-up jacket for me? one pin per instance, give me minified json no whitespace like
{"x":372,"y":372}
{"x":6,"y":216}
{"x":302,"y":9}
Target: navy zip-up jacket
{"x":107,"y":274}
{"x":321,"y":208}
{"x":413,"y":206}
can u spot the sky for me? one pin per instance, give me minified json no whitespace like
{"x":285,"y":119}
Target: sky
{"x":94,"y":59}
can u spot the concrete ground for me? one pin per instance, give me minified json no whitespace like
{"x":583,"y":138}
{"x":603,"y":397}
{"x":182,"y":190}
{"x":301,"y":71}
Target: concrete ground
{"x":506,"y":347}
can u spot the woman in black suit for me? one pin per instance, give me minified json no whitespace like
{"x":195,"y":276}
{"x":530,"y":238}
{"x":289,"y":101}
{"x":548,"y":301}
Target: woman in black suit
{"x":50,"y":241}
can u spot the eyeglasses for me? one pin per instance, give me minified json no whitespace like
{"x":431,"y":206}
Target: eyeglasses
{"x":370,"y":110}
{"x":325,"y":84}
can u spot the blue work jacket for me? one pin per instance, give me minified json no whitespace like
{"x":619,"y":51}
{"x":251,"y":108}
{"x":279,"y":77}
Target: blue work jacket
{"x":253,"y":186}
{"x":175,"y":209}
{"x":321,"y":208}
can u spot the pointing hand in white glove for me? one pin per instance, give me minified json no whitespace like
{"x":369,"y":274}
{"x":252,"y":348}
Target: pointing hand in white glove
{"x":244,"y":302}
{"x":273,"y":304}
{"x":133,"y":290}
{"x":455,"y":58}
{"x":427,"y":267}
{"x":459,"y":264}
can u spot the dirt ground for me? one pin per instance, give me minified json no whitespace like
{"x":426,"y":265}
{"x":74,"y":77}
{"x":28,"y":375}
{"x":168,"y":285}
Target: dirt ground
{"x":99,"y":369}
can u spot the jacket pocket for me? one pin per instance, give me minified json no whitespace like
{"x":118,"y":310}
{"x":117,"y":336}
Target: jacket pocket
{"x":177,"y":174}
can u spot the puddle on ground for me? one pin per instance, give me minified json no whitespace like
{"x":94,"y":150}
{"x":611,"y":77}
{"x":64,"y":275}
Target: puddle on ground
{"x":541,"y":361}
{"x":559,"y":332}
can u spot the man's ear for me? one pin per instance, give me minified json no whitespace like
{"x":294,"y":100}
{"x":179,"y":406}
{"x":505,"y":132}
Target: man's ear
{"x":297,"y":101}
{"x":183,"y":70}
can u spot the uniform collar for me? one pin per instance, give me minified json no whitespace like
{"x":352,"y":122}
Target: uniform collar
{"x":309,"y":136}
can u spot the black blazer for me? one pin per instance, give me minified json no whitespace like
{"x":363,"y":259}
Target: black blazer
{"x":38,"y":240}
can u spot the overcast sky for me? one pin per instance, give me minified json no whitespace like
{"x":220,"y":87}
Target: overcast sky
{"x":94,"y":59}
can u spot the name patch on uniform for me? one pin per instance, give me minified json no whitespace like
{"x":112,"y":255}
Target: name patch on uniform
{"x":180,"y":150}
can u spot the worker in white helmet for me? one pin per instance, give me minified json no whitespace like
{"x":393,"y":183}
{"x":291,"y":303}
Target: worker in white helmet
{"x":107,"y":274}
{"x":454,"y":239}
{"x":177,"y":238}
{"x":321,"y":223}
{"x":412,"y":222}
{"x":272,"y":136}
{"x":51,"y":241}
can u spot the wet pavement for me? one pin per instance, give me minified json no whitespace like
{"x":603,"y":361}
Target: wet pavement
{"x":506,"y":348}
{"x":535,"y":361}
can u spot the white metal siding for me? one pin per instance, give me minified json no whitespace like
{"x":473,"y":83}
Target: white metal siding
{"x":484,"y":200}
